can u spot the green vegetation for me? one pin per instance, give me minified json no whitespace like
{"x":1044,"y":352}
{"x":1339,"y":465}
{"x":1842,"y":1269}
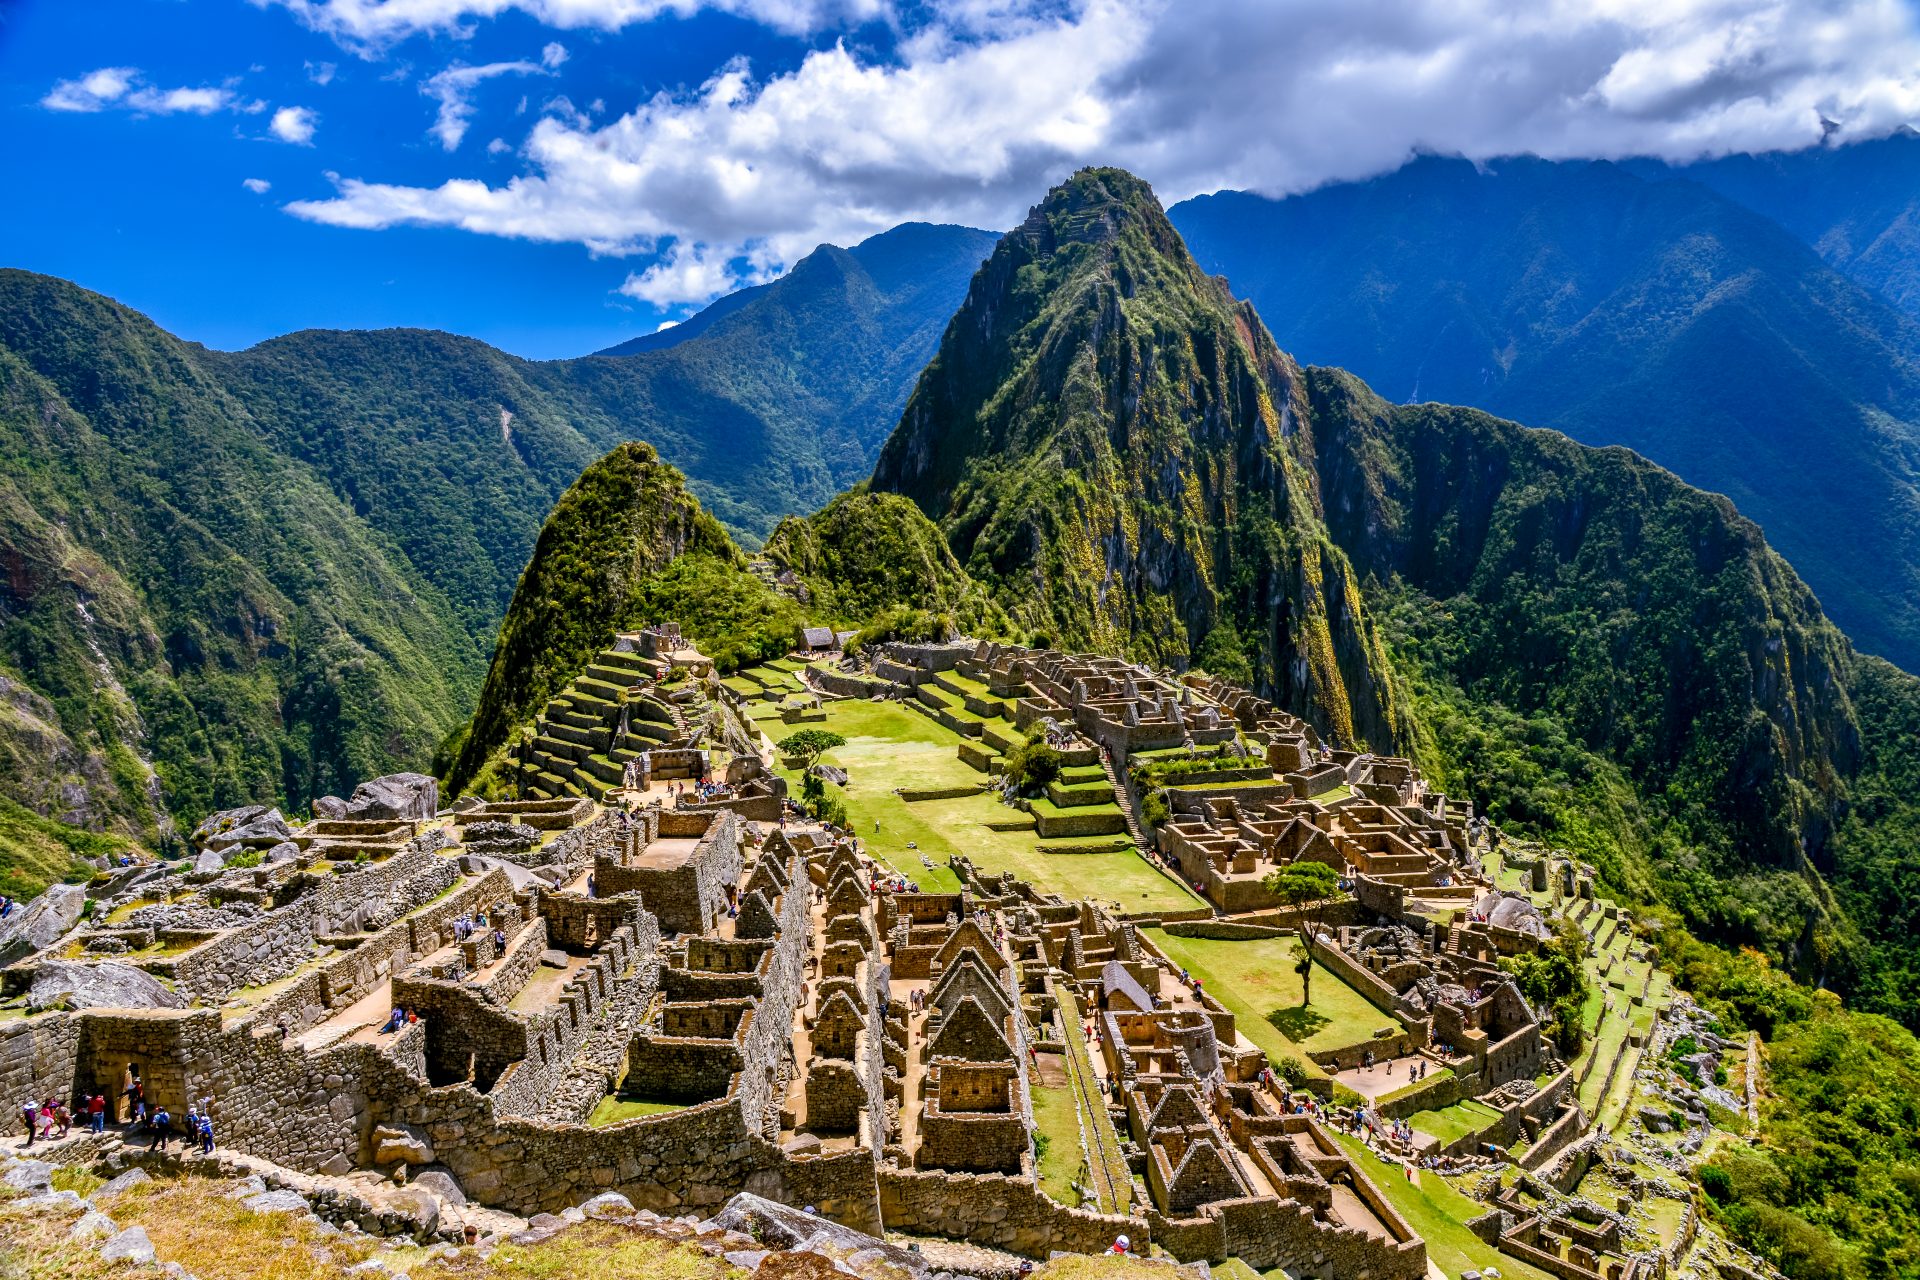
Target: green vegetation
{"x":613,"y":1108}
{"x":1309,"y":887}
{"x":186,"y":597}
{"x":1057,"y":1142}
{"x":874,"y":560}
{"x":626,"y":546}
{"x":889,"y":749}
{"x":1260,"y":982}
{"x":1140,"y":533}
{"x":1451,"y":1123}
{"x":1833,"y":1190}
{"x":1032,"y":765}
{"x":1554,"y":980}
{"x":36,"y":852}
{"x":1439,"y":1214}
{"x":1626,"y":308}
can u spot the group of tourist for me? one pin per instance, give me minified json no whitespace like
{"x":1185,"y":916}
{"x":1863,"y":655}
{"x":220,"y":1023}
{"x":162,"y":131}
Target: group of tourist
{"x":53,"y":1119}
{"x":466,"y":926}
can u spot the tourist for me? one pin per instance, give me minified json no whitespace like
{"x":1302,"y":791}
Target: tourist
{"x":31,"y":1114}
{"x":63,"y":1117}
{"x":127,"y":1092}
{"x":162,"y":1128}
{"x":499,"y":939}
{"x":1121,"y":1245}
{"x":395,"y":1020}
{"x":97,"y":1113}
{"x":206,"y":1134}
{"x":590,"y":884}
{"x":6,"y":906}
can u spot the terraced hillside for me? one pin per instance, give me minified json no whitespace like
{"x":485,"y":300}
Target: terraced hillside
{"x":582,"y":742}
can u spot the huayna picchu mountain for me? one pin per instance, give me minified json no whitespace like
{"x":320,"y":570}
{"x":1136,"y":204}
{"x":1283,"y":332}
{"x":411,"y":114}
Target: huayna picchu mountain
{"x":1111,"y":444}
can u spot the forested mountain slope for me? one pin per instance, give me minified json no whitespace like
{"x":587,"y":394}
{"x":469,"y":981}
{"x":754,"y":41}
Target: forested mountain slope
{"x":1653,"y":314}
{"x":1108,"y":441}
{"x":198,"y":619}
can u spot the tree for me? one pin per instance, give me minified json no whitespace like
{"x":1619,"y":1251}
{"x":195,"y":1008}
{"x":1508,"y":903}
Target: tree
{"x":1312,"y":886}
{"x":809,"y":745}
{"x":1554,"y":980}
{"x":1033,"y":764}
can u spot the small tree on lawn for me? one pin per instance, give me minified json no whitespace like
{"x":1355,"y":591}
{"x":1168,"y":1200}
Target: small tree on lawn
{"x":1312,"y":886}
{"x":809,"y":745}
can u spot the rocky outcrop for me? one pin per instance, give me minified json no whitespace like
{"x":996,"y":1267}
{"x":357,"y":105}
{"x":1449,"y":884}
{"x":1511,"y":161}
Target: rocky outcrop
{"x":404,"y":796}
{"x":42,"y":922}
{"x":103,"y":984}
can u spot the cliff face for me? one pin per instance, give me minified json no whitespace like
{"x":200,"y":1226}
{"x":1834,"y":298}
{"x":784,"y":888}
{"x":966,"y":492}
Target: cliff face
{"x":1110,"y":443}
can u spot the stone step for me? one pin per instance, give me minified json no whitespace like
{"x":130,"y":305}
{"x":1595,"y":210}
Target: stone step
{"x":628,"y":664}
{"x":599,"y":690}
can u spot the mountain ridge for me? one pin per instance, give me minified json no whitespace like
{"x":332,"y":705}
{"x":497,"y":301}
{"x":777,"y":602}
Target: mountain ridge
{"x":1657,"y":315}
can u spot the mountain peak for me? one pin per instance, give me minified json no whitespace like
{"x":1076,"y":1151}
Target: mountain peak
{"x":1105,"y":433}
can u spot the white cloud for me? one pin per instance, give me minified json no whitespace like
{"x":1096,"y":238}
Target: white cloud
{"x":454,"y":87}
{"x":685,"y":273}
{"x":91,"y":92}
{"x":499,"y":147}
{"x":745,"y":174}
{"x":666,"y":325}
{"x":321,"y":73}
{"x":259,"y":186}
{"x":368,"y":26}
{"x":294,"y":124}
{"x":126,"y":88}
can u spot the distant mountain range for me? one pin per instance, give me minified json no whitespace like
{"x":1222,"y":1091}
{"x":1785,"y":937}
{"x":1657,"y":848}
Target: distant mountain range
{"x":266,"y":574}
{"x":1647,"y":311}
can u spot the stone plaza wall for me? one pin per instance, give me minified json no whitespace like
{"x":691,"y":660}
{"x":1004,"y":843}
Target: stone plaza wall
{"x":355,"y":973}
{"x":37,"y":1057}
{"x":994,"y":1210}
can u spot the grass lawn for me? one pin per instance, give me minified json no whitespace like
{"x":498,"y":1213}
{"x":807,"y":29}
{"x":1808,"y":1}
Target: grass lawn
{"x":1450,"y":1124}
{"x":1255,"y":979}
{"x":889,"y":747}
{"x":613,"y":1109}
{"x":1438,"y":1213}
{"x":1054,"y":1115}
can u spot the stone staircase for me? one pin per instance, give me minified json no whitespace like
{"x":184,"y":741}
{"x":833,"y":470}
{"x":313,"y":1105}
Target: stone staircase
{"x":1123,"y":796}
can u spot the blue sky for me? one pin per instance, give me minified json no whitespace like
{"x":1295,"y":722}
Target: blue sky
{"x":556,"y":175}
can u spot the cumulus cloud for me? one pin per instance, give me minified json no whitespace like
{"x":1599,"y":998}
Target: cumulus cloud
{"x":259,"y":186}
{"x":454,"y":87}
{"x":369,"y":26}
{"x":687,"y":273}
{"x":967,"y":121}
{"x":295,"y":125}
{"x":125,"y":88}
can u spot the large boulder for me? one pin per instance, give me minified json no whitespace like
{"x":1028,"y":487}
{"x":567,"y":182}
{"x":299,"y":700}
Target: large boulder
{"x":107,"y":984}
{"x":329,"y":807}
{"x":42,"y":922}
{"x":264,"y":832}
{"x":401,"y":1143}
{"x":131,"y":1246}
{"x":412,"y":796}
{"x":215,"y":824}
